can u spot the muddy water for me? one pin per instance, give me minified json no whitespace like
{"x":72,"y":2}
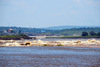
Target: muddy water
{"x":67,"y":39}
{"x":64,"y":39}
{"x":49,"y":57}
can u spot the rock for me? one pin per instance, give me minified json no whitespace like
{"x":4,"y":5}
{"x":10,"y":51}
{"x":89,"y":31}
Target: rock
{"x":27,"y":43}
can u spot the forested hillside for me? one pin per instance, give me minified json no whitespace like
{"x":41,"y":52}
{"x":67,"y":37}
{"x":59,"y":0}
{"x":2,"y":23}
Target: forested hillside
{"x":68,"y":27}
{"x":39,"y":31}
{"x":76,"y":31}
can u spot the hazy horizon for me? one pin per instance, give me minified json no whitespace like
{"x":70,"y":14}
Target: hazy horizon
{"x":49,"y":13}
{"x":51,"y":26}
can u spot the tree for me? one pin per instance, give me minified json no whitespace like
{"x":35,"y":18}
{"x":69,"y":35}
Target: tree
{"x":92,"y":33}
{"x":1,"y":33}
{"x":84,"y":34}
{"x":19,"y":32}
{"x":98,"y":34}
{"x":12,"y":31}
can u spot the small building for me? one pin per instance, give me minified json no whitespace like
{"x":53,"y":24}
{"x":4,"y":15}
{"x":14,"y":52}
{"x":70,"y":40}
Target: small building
{"x":10,"y":31}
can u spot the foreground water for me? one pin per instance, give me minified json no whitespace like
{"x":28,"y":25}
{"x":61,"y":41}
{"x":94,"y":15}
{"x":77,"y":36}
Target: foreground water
{"x":49,"y":57}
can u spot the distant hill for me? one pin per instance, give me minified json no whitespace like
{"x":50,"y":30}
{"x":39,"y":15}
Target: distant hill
{"x":76,"y":31}
{"x":60,"y":30}
{"x":68,"y":27}
{"x":25,"y":30}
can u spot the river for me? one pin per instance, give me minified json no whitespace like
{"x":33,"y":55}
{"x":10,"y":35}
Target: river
{"x":49,"y":56}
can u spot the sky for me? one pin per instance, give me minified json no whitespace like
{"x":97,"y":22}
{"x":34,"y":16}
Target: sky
{"x":47,"y":13}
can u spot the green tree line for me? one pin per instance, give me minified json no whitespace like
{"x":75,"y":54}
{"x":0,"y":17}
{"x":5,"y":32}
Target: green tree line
{"x":91,"y":33}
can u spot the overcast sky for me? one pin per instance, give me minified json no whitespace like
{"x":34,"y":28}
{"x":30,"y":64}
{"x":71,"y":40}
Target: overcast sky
{"x":47,"y":13}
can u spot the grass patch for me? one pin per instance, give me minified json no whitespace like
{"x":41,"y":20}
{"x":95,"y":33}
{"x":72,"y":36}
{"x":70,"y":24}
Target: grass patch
{"x":59,"y":45}
{"x":14,"y":37}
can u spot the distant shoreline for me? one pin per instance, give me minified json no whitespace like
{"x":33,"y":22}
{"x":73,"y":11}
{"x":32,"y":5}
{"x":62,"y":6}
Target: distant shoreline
{"x":21,"y":37}
{"x":14,"y":37}
{"x":76,"y":37}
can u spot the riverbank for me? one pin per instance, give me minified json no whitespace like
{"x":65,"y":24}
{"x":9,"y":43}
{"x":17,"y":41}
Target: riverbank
{"x":14,"y":37}
{"x":75,"y":37}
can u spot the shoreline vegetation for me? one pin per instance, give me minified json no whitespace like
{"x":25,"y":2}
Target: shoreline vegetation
{"x":47,"y":32}
{"x":22,"y":36}
{"x":75,"y":37}
{"x":14,"y":37}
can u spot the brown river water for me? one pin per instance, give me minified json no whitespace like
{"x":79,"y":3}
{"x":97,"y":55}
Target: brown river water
{"x":49,"y":56}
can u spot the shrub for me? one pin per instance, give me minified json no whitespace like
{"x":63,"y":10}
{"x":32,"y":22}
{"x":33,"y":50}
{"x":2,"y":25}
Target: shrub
{"x":98,"y":34}
{"x":84,"y":34}
{"x":60,"y":45}
{"x":45,"y":45}
{"x":92,"y":33}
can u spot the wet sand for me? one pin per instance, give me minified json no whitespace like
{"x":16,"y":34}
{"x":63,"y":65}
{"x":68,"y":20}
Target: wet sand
{"x":49,"y":56}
